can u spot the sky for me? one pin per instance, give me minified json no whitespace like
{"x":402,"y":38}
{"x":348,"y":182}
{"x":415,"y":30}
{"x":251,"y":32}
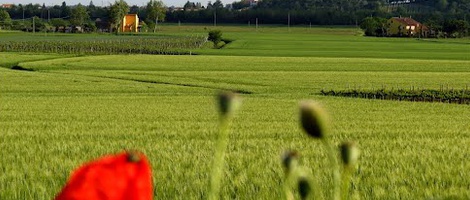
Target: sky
{"x":106,"y":2}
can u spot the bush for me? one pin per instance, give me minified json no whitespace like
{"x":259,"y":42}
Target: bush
{"x":373,"y":26}
{"x":456,"y":28}
{"x":215,"y":36}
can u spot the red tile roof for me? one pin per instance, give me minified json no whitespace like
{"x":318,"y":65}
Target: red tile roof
{"x":407,"y":21}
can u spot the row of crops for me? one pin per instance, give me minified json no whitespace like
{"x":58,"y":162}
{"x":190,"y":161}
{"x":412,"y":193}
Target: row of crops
{"x":424,"y":95}
{"x":130,"y":45}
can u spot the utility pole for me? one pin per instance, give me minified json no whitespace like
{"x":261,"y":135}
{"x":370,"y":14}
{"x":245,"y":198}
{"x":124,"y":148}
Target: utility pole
{"x":156,"y":23}
{"x":257,"y":24}
{"x":34,"y":24}
{"x":288,"y":21}
{"x":215,"y":17}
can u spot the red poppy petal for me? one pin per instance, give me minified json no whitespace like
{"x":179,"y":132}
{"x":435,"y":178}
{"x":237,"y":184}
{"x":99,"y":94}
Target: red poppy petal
{"x":110,"y":177}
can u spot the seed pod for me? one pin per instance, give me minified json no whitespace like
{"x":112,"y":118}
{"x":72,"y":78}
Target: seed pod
{"x":313,"y":119}
{"x":289,"y":160}
{"x":304,"y":187}
{"x":228,"y":102}
{"x":133,"y":156}
{"x":349,"y":154}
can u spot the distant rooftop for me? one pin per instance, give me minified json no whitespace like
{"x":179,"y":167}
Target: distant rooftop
{"x":406,"y":20}
{"x":6,"y":5}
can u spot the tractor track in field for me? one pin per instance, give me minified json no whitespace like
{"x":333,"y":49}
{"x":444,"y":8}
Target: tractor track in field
{"x":158,"y":82}
{"x":17,"y":65}
{"x":198,"y":79}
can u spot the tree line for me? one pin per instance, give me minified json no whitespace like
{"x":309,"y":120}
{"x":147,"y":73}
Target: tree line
{"x":324,"y":12}
{"x":36,"y":17}
{"x":293,"y":12}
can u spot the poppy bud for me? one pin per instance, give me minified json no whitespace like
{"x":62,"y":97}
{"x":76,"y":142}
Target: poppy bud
{"x":349,"y":153}
{"x":133,"y":156}
{"x":228,"y":102}
{"x":125,"y":176}
{"x":304,"y":187}
{"x":289,"y":160}
{"x":313,"y":119}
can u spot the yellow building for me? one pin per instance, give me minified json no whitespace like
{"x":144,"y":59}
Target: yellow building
{"x":130,"y":23}
{"x":405,"y":26}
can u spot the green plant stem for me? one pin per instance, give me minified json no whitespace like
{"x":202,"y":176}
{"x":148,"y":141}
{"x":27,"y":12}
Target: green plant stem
{"x":290,"y":173}
{"x":346,"y":182}
{"x":287,"y":189}
{"x":334,"y":166}
{"x":218,"y":162}
{"x":316,"y":193}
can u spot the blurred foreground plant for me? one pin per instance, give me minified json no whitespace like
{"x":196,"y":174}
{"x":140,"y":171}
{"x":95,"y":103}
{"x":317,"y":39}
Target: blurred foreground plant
{"x":314,"y":121}
{"x":229,"y":102}
{"x":125,"y":176}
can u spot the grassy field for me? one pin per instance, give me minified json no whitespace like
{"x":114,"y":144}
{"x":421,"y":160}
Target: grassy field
{"x":72,"y":109}
{"x":318,"y":42}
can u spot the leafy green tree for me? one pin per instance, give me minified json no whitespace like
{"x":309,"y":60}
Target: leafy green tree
{"x":91,"y":5}
{"x":240,"y":5}
{"x":442,"y":4}
{"x":117,"y":12}
{"x":456,"y":28}
{"x":218,"y":4}
{"x":215,"y":36}
{"x":97,"y":11}
{"x":91,"y":8}
{"x":209,"y":5}
{"x":144,"y":27}
{"x":56,"y":22}
{"x":38,"y":24}
{"x":373,"y":26}
{"x":369,"y":25}
{"x":5,"y":20}
{"x":155,"y":12}
{"x":20,"y":25}
{"x":433,"y":25}
{"x":64,"y":10}
{"x":79,"y":15}
{"x":90,"y":27}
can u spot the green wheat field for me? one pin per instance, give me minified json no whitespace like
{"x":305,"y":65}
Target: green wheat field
{"x":68,"y":109}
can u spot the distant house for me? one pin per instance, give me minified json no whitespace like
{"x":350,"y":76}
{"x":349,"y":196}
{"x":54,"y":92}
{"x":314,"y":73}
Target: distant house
{"x":130,"y":23}
{"x":406,"y":26}
{"x":174,"y":9}
{"x":6,"y":5}
{"x":77,"y":29}
{"x":252,"y":2}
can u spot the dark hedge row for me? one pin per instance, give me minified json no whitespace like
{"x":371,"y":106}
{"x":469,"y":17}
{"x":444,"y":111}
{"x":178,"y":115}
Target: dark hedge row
{"x":424,"y":95}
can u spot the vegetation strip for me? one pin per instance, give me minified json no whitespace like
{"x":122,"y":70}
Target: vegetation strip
{"x":424,"y":95}
{"x":177,"y":46}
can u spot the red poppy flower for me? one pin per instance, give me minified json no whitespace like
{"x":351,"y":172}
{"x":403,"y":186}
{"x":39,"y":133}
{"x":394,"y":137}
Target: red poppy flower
{"x":125,"y":176}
